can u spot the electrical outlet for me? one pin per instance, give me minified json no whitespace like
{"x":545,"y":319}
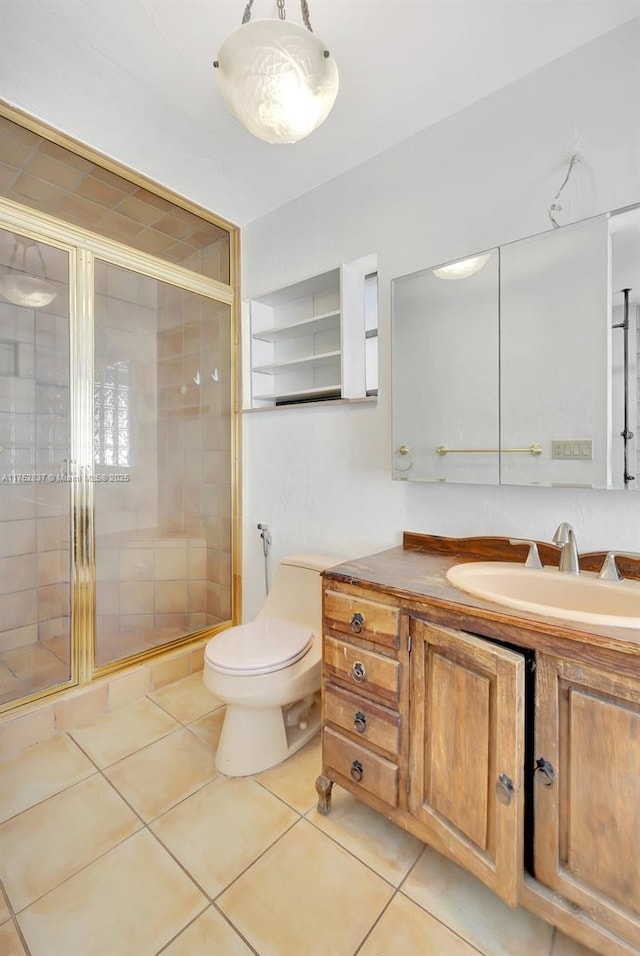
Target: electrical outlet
{"x":572,"y":449}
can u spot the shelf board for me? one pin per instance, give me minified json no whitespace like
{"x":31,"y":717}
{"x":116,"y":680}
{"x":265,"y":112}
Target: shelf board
{"x":321,"y":360}
{"x":296,"y":394}
{"x":317,"y":323}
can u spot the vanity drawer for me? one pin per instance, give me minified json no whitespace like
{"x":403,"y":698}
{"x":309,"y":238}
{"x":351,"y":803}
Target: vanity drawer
{"x":369,"y":771}
{"x":366,"y":619}
{"x":372,"y":722}
{"x":370,"y":673}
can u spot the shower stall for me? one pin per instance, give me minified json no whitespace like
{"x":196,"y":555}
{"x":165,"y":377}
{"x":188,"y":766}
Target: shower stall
{"x":116,"y":453}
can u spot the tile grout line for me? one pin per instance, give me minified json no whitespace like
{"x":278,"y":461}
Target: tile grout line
{"x":475,"y":948}
{"x":212,"y":900}
{"x":397,"y":889}
{"x":21,"y":936}
{"x":352,"y":854}
{"x":221,"y":914}
{"x":56,"y":792}
{"x":374,"y":924}
{"x":13,"y":919}
{"x":166,"y":711}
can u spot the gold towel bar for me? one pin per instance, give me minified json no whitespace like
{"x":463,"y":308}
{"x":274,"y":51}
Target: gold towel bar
{"x":531,"y":450}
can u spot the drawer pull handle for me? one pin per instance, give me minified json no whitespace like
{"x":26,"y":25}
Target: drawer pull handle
{"x":544,"y":772}
{"x":357,"y":623}
{"x":360,"y":722}
{"x":358,"y":673}
{"x":357,"y":771}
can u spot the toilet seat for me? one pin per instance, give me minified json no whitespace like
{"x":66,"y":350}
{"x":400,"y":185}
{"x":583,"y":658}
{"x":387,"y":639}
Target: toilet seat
{"x":260,"y":647}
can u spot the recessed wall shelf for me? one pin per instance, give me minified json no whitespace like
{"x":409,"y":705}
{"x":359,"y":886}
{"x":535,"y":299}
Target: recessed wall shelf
{"x":317,"y":323}
{"x":290,"y":398}
{"x":319,"y":360}
{"x":307,"y":340}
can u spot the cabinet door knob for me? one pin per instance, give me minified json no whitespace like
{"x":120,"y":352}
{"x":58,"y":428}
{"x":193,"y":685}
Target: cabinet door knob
{"x":360,"y":722}
{"x":544,"y":772}
{"x":358,"y":673}
{"x":504,"y":789}
{"x":357,"y":771}
{"x":357,"y":623}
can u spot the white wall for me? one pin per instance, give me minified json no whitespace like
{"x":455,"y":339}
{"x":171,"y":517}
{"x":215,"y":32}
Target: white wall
{"x":320,"y":477}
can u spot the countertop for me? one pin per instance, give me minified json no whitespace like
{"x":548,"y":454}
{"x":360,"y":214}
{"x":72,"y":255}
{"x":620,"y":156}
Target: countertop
{"x":417,"y":570}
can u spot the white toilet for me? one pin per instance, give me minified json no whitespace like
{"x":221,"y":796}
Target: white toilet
{"x":268,"y":672}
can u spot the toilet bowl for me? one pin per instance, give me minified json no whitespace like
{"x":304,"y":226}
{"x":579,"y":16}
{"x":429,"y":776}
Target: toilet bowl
{"x":267,"y":672}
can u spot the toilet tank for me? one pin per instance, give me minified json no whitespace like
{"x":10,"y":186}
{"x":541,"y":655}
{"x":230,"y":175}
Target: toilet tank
{"x":296,"y":591}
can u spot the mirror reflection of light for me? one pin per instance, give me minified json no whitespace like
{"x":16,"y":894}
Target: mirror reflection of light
{"x":27,"y":291}
{"x":463,"y":268}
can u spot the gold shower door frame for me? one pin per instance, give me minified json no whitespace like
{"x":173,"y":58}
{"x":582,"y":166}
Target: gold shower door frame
{"x":83,"y":247}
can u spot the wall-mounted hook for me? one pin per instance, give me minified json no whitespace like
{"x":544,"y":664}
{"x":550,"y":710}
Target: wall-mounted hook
{"x":215,"y":375}
{"x":196,"y":378}
{"x":555,"y":208}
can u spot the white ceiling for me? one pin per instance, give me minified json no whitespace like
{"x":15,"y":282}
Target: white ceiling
{"x":134,"y":80}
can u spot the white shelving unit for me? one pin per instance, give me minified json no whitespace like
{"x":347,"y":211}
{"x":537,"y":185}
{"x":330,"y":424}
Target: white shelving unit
{"x":307,"y":341}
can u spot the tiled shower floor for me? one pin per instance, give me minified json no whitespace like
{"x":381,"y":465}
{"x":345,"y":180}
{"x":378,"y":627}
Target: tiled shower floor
{"x":32,"y":667}
{"x":120,"y":839}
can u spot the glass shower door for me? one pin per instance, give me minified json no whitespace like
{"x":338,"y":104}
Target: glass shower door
{"x":35,"y":603}
{"x":162,"y":462}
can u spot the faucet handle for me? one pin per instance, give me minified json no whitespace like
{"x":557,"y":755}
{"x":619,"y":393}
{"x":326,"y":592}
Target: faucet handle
{"x":609,"y":570}
{"x":533,"y":558}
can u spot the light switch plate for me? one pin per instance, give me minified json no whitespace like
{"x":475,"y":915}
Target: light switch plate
{"x":574,"y":449}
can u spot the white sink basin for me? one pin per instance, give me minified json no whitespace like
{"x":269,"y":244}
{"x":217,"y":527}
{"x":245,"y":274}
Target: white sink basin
{"x":573,"y":597}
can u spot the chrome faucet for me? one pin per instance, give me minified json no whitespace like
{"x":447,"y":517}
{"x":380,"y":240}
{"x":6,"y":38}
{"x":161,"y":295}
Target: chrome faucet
{"x":565,"y":538}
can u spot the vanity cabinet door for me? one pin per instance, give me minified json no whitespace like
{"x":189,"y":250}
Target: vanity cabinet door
{"x":587,"y":791}
{"x":467,"y":752}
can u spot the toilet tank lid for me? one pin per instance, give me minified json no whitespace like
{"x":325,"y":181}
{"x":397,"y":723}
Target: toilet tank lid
{"x":313,"y":560}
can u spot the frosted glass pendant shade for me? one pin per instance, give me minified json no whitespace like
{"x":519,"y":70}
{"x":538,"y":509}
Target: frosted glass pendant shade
{"x":27,"y":291}
{"x":276,"y":79}
{"x":463,"y":268}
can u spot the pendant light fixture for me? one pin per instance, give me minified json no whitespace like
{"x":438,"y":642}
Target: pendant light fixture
{"x":20,"y":288}
{"x":277,"y":78}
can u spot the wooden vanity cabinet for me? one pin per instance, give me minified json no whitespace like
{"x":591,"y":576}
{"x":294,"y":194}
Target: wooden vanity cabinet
{"x":587,"y":793}
{"x":365,"y":678}
{"x":508,"y":748}
{"x":467,"y":751}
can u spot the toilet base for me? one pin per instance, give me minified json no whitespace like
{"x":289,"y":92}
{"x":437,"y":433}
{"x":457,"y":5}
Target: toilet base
{"x":253,"y":740}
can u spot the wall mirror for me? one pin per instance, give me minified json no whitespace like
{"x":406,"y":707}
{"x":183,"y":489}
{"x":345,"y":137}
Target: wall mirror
{"x":521,"y":365}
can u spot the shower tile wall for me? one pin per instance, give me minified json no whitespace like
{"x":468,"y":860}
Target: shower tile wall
{"x":194,"y":431}
{"x":34,"y":515}
{"x":125,"y":343}
{"x":163,"y":537}
{"x":153,"y":589}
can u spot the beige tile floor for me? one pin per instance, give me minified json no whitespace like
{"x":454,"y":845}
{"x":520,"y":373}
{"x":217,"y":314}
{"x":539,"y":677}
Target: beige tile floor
{"x":121,"y":839}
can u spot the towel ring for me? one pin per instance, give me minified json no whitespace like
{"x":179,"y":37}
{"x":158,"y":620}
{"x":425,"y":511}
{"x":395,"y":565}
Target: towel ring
{"x":404,"y":450}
